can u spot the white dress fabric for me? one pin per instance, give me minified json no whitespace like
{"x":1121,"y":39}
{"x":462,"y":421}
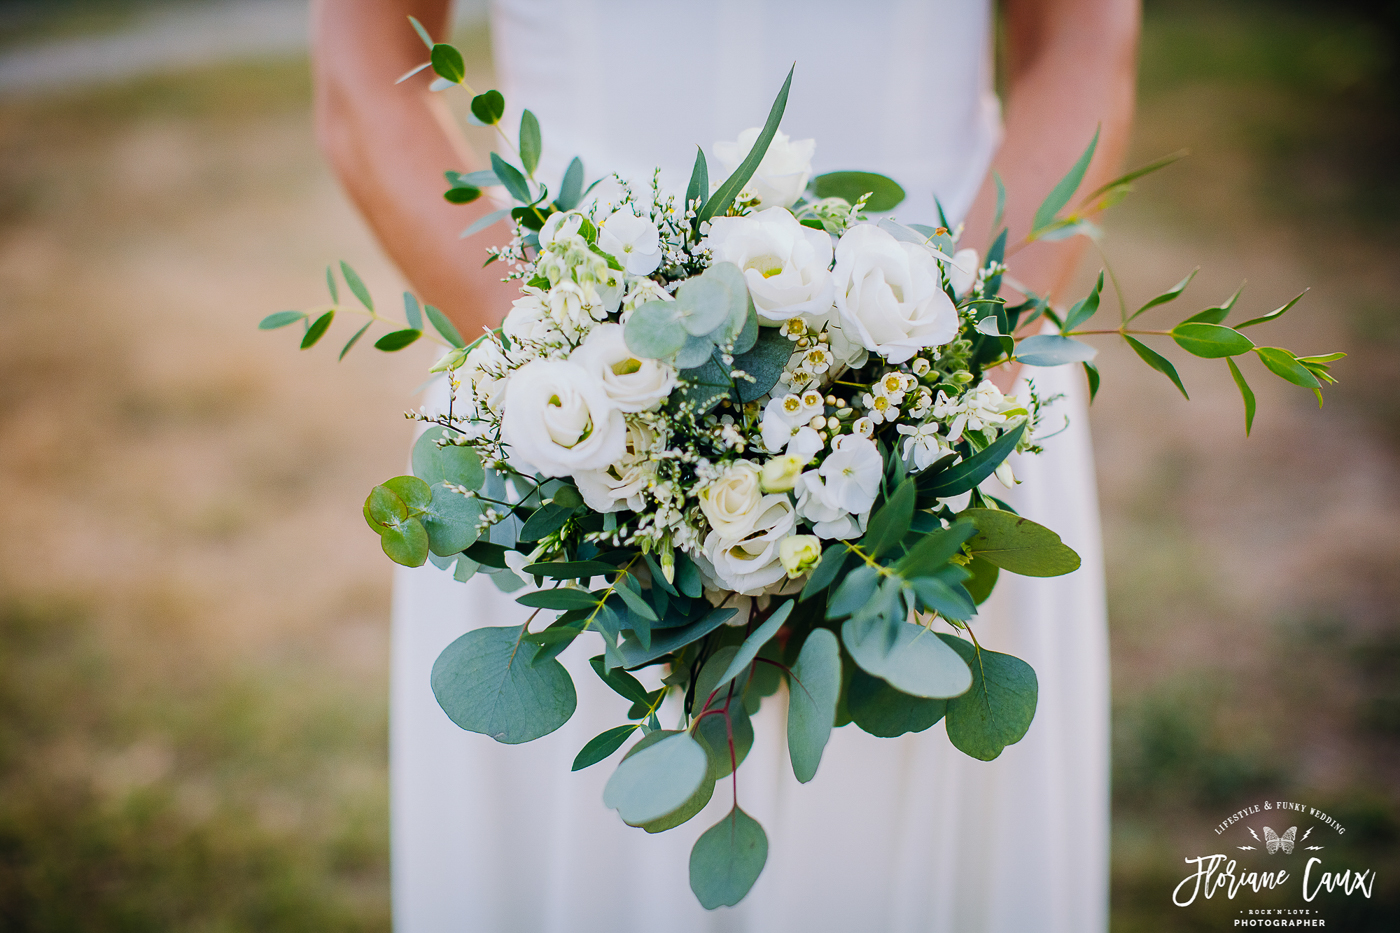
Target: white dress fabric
{"x":894,"y":835}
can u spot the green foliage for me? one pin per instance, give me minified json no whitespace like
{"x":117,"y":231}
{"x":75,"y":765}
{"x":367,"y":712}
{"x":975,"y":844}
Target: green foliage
{"x":281,"y":319}
{"x":1157,"y":361}
{"x":1246,"y":393}
{"x":890,"y":523}
{"x":826,"y":571}
{"x":488,"y":681}
{"x":349,"y":344}
{"x":1064,"y":190}
{"x":511,"y":178}
{"x":448,"y":63}
{"x":529,"y":142}
{"x":1274,"y":314}
{"x":357,"y":286}
{"x":1169,"y":295}
{"x":1018,"y":544}
{"x":881,"y":710}
{"x":965,"y":476}
{"x":727,"y":859}
{"x":914,"y":661}
{"x":317,"y":330}
{"x":998,"y":708}
{"x":1217,"y":314}
{"x":1211,"y":341}
{"x":488,"y":108}
{"x":1084,"y":310}
{"x":571,"y":187}
{"x":756,"y":640}
{"x":460,"y":466}
{"x":699,"y":187}
{"x":724,"y":196}
{"x":814,"y":685}
{"x":444,"y":326}
{"x":885,"y":193}
{"x":934,"y":549}
{"x":1285,"y":365}
{"x":602,"y":745}
{"x":1053,"y":350}
{"x":397,"y":340}
{"x":656,"y":780}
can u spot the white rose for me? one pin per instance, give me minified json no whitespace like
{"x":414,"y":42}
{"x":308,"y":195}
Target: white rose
{"x":749,"y":566}
{"x":559,"y":419}
{"x":732,"y":502}
{"x":621,"y":485}
{"x":799,"y":554}
{"x":890,"y":294}
{"x":633,"y":241}
{"x":827,"y":519}
{"x":782,"y":175}
{"x":787,"y":266}
{"x":633,"y":384}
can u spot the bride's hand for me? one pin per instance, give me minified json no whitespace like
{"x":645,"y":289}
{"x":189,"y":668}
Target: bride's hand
{"x":1070,"y":67}
{"x":390,"y":144}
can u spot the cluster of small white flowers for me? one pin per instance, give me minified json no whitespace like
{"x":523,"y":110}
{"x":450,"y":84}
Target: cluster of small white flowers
{"x":748,"y":490}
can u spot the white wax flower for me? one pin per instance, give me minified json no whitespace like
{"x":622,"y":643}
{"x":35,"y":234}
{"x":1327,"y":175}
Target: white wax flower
{"x":799,"y":554}
{"x":780,"y":474}
{"x":923,"y":444}
{"x":621,"y":485}
{"x":732,"y":502}
{"x":852,"y":473}
{"x":787,"y":266}
{"x":828,"y":520}
{"x":633,"y":241}
{"x":962,"y":271}
{"x":633,"y":384}
{"x":559,"y":419}
{"x":782,"y":175}
{"x":890,"y":294}
{"x":749,"y":565}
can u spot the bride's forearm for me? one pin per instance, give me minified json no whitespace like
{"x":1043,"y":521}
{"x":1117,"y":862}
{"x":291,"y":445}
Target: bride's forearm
{"x":1071,"y":67}
{"x":390,"y":144}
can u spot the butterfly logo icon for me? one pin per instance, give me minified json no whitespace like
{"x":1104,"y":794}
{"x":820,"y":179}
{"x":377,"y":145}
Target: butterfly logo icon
{"x":1273,"y":842}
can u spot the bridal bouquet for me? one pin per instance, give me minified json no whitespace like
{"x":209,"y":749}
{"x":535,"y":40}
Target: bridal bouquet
{"x":740,"y":437}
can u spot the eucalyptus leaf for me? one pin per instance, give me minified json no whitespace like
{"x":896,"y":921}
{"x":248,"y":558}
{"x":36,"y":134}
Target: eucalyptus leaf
{"x":885,"y":193}
{"x":355,"y":339}
{"x":983,"y":580}
{"x":412,"y":311}
{"x":529,"y":142}
{"x":881,"y":710}
{"x":357,"y":286}
{"x":561,"y":599}
{"x":621,"y":682}
{"x":1218,"y":314}
{"x":545,"y":521}
{"x":891,"y":521}
{"x":853,"y":592}
{"x":486,"y":682}
{"x":727,"y":859}
{"x":1275,"y":314}
{"x":1170,"y":294}
{"x":703,"y":303}
{"x":1211,"y":341}
{"x":1053,"y":350}
{"x":445,"y":327}
{"x":756,"y":640}
{"x":398,"y":339}
{"x":1285,"y":365}
{"x":997,"y":709}
{"x":814,"y":685}
{"x":1246,"y":393}
{"x":764,"y":362}
{"x":483,"y":222}
{"x":699,"y":187}
{"x":726,"y":736}
{"x":571,"y":570}
{"x":406,"y":543}
{"x":656,"y":780}
{"x":1064,"y":189}
{"x":694,"y":352}
{"x":489,"y":107}
{"x":918,"y":663}
{"x":654,"y":330}
{"x":685,"y":811}
{"x":602,"y":745}
{"x":826,"y":571}
{"x":448,"y":63}
{"x":962,"y":477}
{"x":411,"y":491}
{"x":511,"y":178}
{"x":280,"y":319}
{"x":934,"y":550}
{"x":724,"y":196}
{"x":317,"y":330}
{"x":1018,"y":544}
{"x":664,"y":641}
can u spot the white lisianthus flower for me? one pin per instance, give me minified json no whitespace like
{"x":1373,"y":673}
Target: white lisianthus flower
{"x":750,"y":565}
{"x":633,"y":241}
{"x":923,"y":446}
{"x":780,"y":474}
{"x":828,"y":520}
{"x":633,"y":384}
{"x":530,"y":319}
{"x":786,"y":265}
{"x":962,"y":271}
{"x":559,"y":225}
{"x":890,"y":294}
{"x":782,"y":175}
{"x":732,"y":502}
{"x":621,"y":485}
{"x":559,"y":419}
{"x":852,"y":473}
{"x":799,"y":554}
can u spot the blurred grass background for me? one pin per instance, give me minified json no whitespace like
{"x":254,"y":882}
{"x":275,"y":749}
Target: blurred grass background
{"x":194,"y":624}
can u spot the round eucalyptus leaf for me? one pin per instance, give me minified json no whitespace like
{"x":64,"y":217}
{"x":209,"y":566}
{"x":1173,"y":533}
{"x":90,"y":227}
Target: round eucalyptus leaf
{"x":997,"y":710}
{"x":885,"y":193}
{"x":383,"y":508}
{"x":406,"y":543}
{"x":704,"y":304}
{"x":451,"y":521}
{"x":813,"y":688}
{"x":654,"y":330}
{"x":415,"y":493}
{"x":714,"y":731}
{"x":727,"y":859}
{"x":676,"y":817}
{"x":881,"y":710}
{"x":917,"y":663}
{"x":488,"y":681}
{"x":657,"y":780}
{"x":696,"y":351}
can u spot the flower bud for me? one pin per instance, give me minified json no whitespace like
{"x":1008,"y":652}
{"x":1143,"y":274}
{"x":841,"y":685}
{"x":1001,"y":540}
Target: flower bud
{"x":799,"y":554}
{"x":780,"y":474}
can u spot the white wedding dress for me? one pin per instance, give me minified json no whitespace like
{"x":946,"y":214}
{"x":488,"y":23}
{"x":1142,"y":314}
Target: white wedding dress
{"x":893,"y":835}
